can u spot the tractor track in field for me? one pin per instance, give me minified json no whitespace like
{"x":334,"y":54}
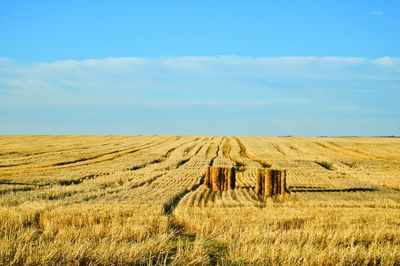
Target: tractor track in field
{"x":12,"y":165}
{"x":214,"y":254}
{"x":42,"y":186}
{"x":171,"y":204}
{"x":174,"y":166}
{"x":31,"y":155}
{"x":65,"y":182}
{"x":164,"y":157}
{"x":69,"y":182}
{"x":243,"y":153}
{"x":141,"y":183}
{"x":119,"y":153}
{"x":278,"y":149}
{"x":227,"y":148}
{"x":303,"y":189}
{"x":26,"y":154}
{"x":58,"y":182}
{"x":362,"y":153}
{"x":339,"y":149}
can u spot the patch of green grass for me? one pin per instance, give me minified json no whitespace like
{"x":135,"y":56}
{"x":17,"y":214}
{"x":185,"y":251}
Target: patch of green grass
{"x":325,"y":164}
{"x":216,"y":250}
{"x":240,"y":167}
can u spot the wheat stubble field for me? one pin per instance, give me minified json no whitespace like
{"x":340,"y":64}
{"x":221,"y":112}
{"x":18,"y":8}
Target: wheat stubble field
{"x":101,"y":200}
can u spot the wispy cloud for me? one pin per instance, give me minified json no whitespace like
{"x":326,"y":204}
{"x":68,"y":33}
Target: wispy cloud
{"x":206,"y":88}
{"x":376,"y":12}
{"x":189,"y":80}
{"x":221,"y":102}
{"x":388,"y":61}
{"x":4,"y":61}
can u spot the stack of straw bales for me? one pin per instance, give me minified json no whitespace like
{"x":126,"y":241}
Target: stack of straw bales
{"x":271,"y":182}
{"x":220,"y":178}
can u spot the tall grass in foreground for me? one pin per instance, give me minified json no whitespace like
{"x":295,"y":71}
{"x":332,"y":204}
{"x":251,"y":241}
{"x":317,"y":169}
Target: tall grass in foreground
{"x":297,"y":235}
{"x":92,"y":234}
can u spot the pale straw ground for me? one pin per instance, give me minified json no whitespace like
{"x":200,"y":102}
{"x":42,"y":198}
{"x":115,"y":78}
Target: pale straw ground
{"x":101,"y":200}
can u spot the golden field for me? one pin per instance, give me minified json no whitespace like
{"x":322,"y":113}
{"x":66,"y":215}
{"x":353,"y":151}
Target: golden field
{"x":101,"y":200}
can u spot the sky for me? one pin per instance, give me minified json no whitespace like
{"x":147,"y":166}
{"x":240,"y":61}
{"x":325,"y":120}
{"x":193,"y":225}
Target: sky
{"x":306,"y":68}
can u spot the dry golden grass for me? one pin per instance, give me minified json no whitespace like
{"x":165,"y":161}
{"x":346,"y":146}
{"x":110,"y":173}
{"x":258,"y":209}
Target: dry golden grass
{"x":101,"y":200}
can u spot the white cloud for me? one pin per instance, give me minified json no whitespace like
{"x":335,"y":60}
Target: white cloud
{"x":388,"y":61}
{"x":209,"y":80}
{"x":238,"y":95}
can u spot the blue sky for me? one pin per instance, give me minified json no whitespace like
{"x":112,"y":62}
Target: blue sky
{"x":200,"y":67}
